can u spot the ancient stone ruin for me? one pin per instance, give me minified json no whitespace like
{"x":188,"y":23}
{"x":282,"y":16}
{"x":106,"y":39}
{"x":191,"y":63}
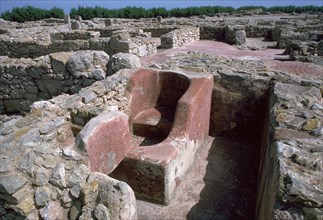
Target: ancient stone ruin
{"x":211,"y":117}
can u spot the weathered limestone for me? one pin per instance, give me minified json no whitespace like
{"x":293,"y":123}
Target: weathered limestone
{"x":320,"y":48}
{"x":137,"y":43}
{"x":79,"y":18}
{"x":123,"y":61}
{"x":73,"y":35}
{"x":90,"y":64}
{"x":158,"y":31}
{"x":47,"y":176}
{"x":67,"y":19}
{"x":116,"y":196}
{"x":108,"y":22}
{"x":235,"y":35}
{"x":159,"y":18}
{"x":180,"y":37}
{"x":106,"y":137}
{"x":76,"y":25}
{"x":34,"y":43}
{"x":291,"y":170}
{"x":25,"y":81}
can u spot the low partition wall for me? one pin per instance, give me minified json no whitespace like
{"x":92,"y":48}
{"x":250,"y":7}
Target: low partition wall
{"x":290,"y":183}
{"x":24,"y":81}
{"x":179,"y":37}
{"x":140,"y":44}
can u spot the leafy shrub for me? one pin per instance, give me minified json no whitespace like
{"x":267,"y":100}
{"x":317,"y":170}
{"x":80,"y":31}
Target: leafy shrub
{"x":29,"y":13}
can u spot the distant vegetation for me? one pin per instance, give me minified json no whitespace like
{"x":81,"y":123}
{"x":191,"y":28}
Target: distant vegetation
{"x":138,"y":12}
{"x":30,"y":13}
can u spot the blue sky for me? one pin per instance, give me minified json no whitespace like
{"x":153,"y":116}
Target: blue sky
{"x":168,"y":4}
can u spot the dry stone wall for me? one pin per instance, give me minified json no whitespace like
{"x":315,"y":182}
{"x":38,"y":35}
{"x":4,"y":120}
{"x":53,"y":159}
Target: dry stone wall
{"x":73,"y":35}
{"x":179,"y":37}
{"x":259,"y":31}
{"x":134,"y":42}
{"x":24,"y":81}
{"x":16,"y":49}
{"x":42,"y":173}
{"x":138,"y":43}
{"x":291,"y":180}
{"x":235,"y":34}
{"x":160,"y":30}
{"x":212,"y":32}
{"x":57,"y":36}
{"x":285,"y":33}
{"x":140,"y":46}
{"x":217,"y":32}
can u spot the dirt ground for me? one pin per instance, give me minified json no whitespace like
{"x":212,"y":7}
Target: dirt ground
{"x":221,"y":185}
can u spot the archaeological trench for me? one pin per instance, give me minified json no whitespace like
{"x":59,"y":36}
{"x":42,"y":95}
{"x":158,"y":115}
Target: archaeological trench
{"x":211,"y":117}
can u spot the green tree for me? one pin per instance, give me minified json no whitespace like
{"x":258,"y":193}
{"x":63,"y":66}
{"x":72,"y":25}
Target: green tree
{"x":29,"y":13}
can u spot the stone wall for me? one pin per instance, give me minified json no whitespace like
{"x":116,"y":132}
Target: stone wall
{"x":43,"y":175}
{"x":160,"y":30}
{"x":24,"y":81}
{"x":296,"y":47}
{"x":284,"y":34}
{"x":215,"y":32}
{"x":259,"y":31}
{"x":179,"y":37}
{"x":235,"y":34}
{"x":320,"y":48}
{"x":136,"y":42}
{"x":290,"y":183}
{"x":279,"y":30}
{"x":212,"y":32}
{"x":16,"y":49}
{"x":110,"y":31}
{"x":73,"y":35}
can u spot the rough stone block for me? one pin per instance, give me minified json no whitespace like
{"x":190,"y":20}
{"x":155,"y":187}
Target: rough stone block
{"x":59,"y":60}
{"x":123,"y":61}
{"x":116,"y":195}
{"x":52,"y":210}
{"x":106,"y":140}
{"x":67,"y":19}
{"x":11,"y":183}
{"x":87,"y":63}
{"x":235,"y":34}
{"x":16,"y":105}
{"x":76,"y":25}
{"x":108,"y":22}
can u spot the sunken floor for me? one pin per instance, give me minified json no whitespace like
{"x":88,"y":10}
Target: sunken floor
{"x":220,"y":185}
